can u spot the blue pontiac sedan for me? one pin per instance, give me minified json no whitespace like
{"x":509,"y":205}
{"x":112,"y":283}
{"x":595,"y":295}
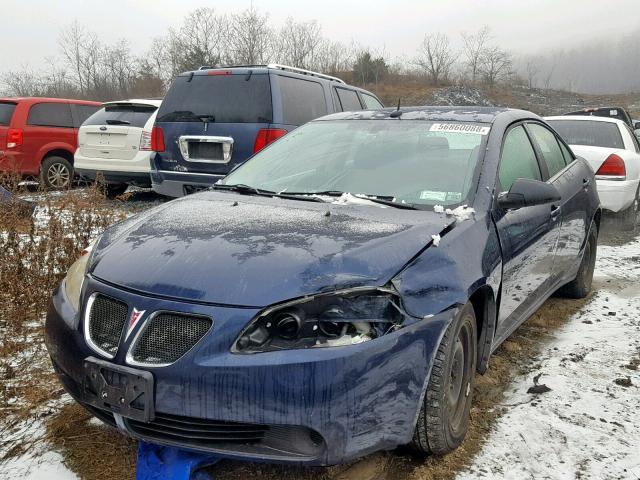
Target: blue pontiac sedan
{"x":336,"y":294}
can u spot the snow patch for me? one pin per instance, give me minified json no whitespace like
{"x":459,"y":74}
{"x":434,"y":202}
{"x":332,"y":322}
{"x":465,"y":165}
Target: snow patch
{"x":462,"y":213}
{"x":435,"y":240}
{"x":438,"y":208}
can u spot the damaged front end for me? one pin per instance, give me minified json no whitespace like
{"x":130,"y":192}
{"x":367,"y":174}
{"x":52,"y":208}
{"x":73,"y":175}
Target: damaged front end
{"x":344,"y":317}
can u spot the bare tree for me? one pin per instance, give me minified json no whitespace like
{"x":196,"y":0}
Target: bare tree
{"x":81,"y":49}
{"x":332,"y":57}
{"x":250,"y":37}
{"x":436,"y":57}
{"x":474,"y":47}
{"x":299,"y":42}
{"x":495,"y":65}
{"x":532,"y":68}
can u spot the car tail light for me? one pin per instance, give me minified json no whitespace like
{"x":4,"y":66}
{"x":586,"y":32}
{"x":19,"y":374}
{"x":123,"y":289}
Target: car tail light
{"x":145,"y":140}
{"x":14,"y":137}
{"x":613,"y":166}
{"x":219,"y":72}
{"x":266,"y":136}
{"x":157,"y":139}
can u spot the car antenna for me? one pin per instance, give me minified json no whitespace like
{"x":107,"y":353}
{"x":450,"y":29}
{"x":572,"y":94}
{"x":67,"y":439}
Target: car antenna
{"x":397,"y":112}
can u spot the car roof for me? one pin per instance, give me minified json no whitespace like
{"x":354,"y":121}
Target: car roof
{"x":587,"y":118}
{"x":48,"y":100}
{"x":431,"y":113}
{"x":135,"y":101}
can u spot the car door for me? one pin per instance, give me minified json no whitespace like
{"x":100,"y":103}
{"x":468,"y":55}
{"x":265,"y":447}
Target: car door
{"x":47,"y":123}
{"x":572,"y":179}
{"x":528,"y":235}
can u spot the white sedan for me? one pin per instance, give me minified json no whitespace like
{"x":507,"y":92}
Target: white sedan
{"x":613,"y":151}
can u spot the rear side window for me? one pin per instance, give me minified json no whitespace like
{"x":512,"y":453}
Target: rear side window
{"x":6,"y":112}
{"x":218,"y":98}
{"x":568,"y":157}
{"x":348,"y":100}
{"x":518,"y":159}
{"x":589,"y":132}
{"x":82,"y":112}
{"x":121,"y":114}
{"x":50,"y":115}
{"x":548,"y":144}
{"x":371,"y":102}
{"x":302,"y":100}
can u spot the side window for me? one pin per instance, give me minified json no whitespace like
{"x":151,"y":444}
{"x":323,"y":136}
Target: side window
{"x":548,"y":144}
{"x":348,"y":100}
{"x":50,"y":115}
{"x":568,"y":157}
{"x":518,"y":159}
{"x":634,"y":139}
{"x":302,"y":100}
{"x":371,"y":102}
{"x":82,"y":112}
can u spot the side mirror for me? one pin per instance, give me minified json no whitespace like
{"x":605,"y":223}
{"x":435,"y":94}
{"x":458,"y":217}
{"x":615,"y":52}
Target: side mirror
{"x":526,"y":193}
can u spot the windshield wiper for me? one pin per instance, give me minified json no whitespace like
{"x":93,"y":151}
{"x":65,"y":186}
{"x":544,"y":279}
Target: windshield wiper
{"x":242,"y":188}
{"x":381,"y":199}
{"x":117,"y":122}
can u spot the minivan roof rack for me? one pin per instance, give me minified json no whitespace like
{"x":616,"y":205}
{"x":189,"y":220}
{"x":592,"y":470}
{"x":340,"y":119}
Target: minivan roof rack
{"x":277,"y":66}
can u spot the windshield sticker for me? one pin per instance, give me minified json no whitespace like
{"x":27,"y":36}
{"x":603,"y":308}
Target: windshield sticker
{"x":440,"y":196}
{"x":459,"y":128}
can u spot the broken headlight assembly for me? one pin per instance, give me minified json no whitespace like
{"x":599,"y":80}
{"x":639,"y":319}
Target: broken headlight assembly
{"x":340,"y":318}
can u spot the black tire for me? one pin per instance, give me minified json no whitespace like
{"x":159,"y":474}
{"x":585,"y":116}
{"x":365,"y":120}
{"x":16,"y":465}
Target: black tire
{"x":629,"y":217}
{"x":580,"y":286}
{"x":56,"y":173}
{"x":115,"y":189}
{"x":444,"y":414}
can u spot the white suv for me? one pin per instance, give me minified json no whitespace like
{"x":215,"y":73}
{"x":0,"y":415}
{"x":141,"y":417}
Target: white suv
{"x":116,"y":142}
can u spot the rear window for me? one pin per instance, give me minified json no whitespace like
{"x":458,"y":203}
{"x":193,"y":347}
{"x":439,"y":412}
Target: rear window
{"x":589,"y":132}
{"x":302,"y":100}
{"x":6,"y":112}
{"x":218,"y":98}
{"x":122,"y":114}
{"x":82,"y":112}
{"x":50,"y":115}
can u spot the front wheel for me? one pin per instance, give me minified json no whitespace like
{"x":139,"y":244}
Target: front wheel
{"x":56,"y":173}
{"x":444,"y":414}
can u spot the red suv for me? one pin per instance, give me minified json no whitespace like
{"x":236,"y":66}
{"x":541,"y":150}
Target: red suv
{"x":38,"y":136}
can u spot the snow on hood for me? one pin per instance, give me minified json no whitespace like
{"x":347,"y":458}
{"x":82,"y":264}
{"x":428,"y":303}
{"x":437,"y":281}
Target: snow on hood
{"x":226,"y":248}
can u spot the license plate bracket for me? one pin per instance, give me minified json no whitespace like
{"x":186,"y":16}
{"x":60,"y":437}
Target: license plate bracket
{"x":122,"y":390}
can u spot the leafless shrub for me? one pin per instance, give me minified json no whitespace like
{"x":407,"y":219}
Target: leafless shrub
{"x":436,"y":57}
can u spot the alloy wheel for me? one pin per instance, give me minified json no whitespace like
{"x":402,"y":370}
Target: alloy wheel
{"x":58,"y":175}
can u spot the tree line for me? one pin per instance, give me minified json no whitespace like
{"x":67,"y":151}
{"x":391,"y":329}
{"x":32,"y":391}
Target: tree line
{"x":88,"y":67}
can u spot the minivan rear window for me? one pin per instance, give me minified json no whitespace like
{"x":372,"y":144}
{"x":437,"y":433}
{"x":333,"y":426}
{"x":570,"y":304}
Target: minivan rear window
{"x":122,"y":114}
{"x":6,"y":112}
{"x":589,"y":132}
{"x":219,"y":98}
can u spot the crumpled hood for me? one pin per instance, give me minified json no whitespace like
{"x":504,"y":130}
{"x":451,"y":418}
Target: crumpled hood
{"x":231,"y":249}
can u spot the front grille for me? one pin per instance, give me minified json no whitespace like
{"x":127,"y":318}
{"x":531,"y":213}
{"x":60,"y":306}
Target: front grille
{"x":206,"y":151}
{"x":168,"y":336}
{"x":276,"y":441}
{"x":198,"y":431}
{"x":107,"y":318}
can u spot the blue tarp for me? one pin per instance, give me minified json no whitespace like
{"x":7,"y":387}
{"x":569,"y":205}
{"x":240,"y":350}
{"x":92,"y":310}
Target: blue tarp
{"x":161,"y":463}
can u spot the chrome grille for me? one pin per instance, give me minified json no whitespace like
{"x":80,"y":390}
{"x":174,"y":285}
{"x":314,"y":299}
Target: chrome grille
{"x":107,"y":318}
{"x":168,"y":336}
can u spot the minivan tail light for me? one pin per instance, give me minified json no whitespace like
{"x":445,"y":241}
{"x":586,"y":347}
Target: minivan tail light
{"x":145,"y":141}
{"x":266,"y":136}
{"x":613,"y":166}
{"x":14,"y":137}
{"x":157,"y":139}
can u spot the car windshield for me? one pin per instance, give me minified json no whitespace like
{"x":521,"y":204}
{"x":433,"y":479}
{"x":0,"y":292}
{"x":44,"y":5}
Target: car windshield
{"x":589,"y":132}
{"x":415,"y":162}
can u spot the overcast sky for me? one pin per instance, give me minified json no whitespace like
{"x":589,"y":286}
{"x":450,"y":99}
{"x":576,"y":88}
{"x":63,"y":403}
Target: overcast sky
{"x":31,"y":27}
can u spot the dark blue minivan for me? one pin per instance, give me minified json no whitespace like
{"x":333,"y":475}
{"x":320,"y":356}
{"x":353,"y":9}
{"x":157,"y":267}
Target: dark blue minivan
{"x":213,"y":119}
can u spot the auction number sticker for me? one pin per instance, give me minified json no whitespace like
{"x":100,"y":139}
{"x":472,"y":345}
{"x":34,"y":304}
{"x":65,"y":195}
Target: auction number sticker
{"x":459,"y":128}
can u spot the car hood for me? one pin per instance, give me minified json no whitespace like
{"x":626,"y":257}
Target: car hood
{"x":230,"y":249}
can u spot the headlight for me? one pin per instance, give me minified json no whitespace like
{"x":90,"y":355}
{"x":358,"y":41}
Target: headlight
{"x":75,"y":276}
{"x":327,"y":320}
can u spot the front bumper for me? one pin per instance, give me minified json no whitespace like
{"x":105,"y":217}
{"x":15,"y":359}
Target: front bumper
{"x":349,"y":401}
{"x":617,"y":196}
{"x":178,"y":184}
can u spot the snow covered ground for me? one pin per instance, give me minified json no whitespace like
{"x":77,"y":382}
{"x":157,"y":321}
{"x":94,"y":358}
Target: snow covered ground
{"x":588,"y":425}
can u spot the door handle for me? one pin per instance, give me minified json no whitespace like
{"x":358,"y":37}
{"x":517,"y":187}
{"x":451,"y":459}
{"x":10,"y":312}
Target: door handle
{"x":555,"y":211}
{"x":586,"y":182}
